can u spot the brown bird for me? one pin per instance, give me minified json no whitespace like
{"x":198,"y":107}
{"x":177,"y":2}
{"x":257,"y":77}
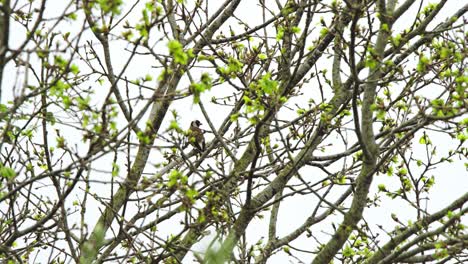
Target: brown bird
{"x":195,"y":136}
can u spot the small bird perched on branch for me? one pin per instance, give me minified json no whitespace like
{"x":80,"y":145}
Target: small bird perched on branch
{"x":195,"y":136}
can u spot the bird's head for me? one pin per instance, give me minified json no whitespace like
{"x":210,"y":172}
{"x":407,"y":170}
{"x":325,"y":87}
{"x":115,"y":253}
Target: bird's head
{"x":196,"y":123}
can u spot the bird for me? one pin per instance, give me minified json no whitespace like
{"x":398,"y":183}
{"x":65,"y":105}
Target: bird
{"x":195,"y":136}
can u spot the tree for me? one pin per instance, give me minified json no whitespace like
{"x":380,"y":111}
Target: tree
{"x":305,"y":105}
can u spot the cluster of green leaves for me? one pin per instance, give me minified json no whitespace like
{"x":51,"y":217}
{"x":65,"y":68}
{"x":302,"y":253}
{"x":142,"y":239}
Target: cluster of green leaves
{"x":261,"y":95}
{"x":110,"y":6}
{"x":232,"y":69}
{"x":14,"y":132}
{"x":379,"y":108}
{"x":423,"y":63}
{"x":445,"y":59}
{"x":143,"y":138}
{"x":215,"y":208}
{"x":146,"y":78}
{"x":177,"y":52}
{"x":421,"y":182}
{"x":389,"y":170}
{"x":372,"y":60}
{"x":266,"y":86}
{"x":279,"y":33}
{"x":281,"y":30}
{"x":177,"y":179}
{"x":427,"y":10}
{"x":462,"y":130}
{"x":203,"y":57}
{"x":324,"y":31}
{"x":7,"y":172}
{"x":441,"y":250}
{"x":174,"y":126}
{"x":165,"y":73}
{"x":62,"y":65}
{"x":285,"y":26}
{"x":151,"y":11}
{"x":425,"y":140}
{"x":457,"y":99}
{"x":326,"y":110}
{"x":447,"y":51}
{"x":179,"y":182}
{"x":357,"y":249}
{"x":440,"y":108}
{"x":59,"y":88}
{"x":197,"y":89}
{"x":396,"y":40}
{"x":92,"y":119}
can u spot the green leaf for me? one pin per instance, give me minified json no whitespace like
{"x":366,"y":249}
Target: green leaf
{"x":60,"y":61}
{"x":382,"y":187}
{"x":115,"y":169}
{"x":450,"y":214}
{"x":110,"y":6}
{"x":423,"y":63}
{"x":234,"y":65}
{"x":444,"y":53}
{"x":403,"y":171}
{"x":173,"y":178}
{"x":143,"y":138}
{"x":323,"y":32}
{"x":191,"y":194}
{"x":58,"y":88}
{"x":3,"y":108}
{"x":464,"y":122}
{"x":148,"y":78}
{"x":348,"y":252}
{"x":384,"y":27}
{"x":198,"y":88}
{"x":177,"y":52}
{"x":301,"y":111}
{"x":234,"y":117}
{"x":83,"y":103}
{"x":262,"y":56}
{"x":422,"y":140}
{"x":462,"y":137}
{"x":295,"y":30}
{"x":396,"y":40}
{"x":279,"y":33}
{"x":72,"y":16}
{"x":142,"y":29}
{"x":381,"y":115}
{"x":175,"y":126}
{"x":390,"y":171}
{"x":7,"y":172}
{"x":60,"y":142}
{"x":74,"y":69}
{"x":268,"y":85}
{"x":371,"y":63}
{"x":50,"y":118}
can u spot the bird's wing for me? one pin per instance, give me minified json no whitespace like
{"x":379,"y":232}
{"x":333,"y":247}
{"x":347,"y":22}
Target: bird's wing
{"x":196,"y":139}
